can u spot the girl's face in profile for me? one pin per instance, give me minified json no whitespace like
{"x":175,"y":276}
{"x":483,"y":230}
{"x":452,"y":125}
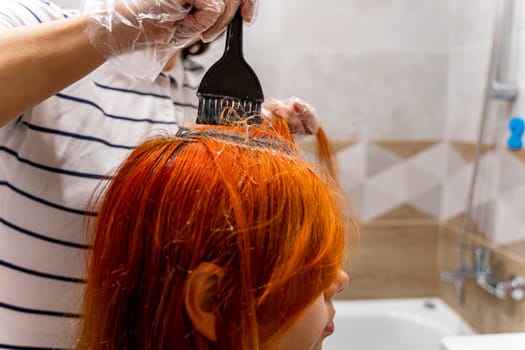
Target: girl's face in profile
{"x":315,"y":323}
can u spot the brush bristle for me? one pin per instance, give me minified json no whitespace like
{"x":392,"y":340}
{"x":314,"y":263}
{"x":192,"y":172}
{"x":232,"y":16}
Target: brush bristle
{"x":225,"y":110}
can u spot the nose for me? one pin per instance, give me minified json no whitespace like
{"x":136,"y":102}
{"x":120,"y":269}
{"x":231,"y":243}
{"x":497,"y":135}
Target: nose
{"x":340,"y":282}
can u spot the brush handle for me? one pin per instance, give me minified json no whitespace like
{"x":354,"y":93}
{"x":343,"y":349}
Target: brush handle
{"x":234,"y":37}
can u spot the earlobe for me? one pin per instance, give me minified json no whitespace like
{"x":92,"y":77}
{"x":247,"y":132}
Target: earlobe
{"x":200,"y":291}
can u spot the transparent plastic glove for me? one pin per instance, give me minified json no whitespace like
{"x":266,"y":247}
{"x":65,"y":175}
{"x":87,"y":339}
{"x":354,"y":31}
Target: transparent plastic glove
{"x":140,"y":36}
{"x":298,"y":114}
{"x":248,"y":12}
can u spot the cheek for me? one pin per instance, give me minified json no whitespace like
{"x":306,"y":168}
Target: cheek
{"x":307,"y":332}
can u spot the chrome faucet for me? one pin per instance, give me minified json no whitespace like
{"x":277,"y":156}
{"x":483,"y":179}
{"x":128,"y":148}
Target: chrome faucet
{"x":458,"y":277}
{"x":481,"y":271}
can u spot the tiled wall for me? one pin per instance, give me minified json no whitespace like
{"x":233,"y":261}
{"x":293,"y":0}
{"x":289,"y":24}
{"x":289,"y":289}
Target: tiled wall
{"x":394,"y":259}
{"x":433,"y":178}
{"x":402,"y":83}
{"x":373,"y":69}
{"x":411,"y":235}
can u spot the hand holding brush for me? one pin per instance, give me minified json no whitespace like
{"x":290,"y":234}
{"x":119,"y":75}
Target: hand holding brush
{"x":157,"y":28}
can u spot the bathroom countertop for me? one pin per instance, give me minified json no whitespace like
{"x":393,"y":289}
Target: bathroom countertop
{"x":500,"y":341}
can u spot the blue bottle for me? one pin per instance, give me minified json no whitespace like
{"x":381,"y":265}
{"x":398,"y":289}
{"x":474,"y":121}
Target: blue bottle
{"x":516,"y":126}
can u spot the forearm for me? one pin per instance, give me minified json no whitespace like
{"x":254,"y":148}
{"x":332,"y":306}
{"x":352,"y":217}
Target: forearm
{"x":39,"y":60}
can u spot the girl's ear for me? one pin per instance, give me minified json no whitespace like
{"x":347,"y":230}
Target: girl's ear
{"x":200,"y":293}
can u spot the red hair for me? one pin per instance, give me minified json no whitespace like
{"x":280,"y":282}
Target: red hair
{"x":240,"y":197}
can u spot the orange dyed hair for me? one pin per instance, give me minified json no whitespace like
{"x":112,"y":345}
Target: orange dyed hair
{"x":240,"y":197}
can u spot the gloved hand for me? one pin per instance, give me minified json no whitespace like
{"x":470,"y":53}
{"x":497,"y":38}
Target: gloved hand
{"x":155,"y":28}
{"x":248,"y":12}
{"x":298,"y":114}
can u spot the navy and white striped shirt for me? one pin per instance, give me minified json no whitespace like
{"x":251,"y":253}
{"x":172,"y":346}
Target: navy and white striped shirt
{"x":52,"y":158}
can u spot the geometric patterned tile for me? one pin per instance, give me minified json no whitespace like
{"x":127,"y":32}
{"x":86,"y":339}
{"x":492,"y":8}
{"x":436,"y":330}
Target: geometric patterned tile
{"x":420,"y":180}
{"x":375,"y":203}
{"x":351,"y":162}
{"x":517,"y":247}
{"x":518,"y":154}
{"x":405,"y":149}
{"x":433,"y":160}
{"x":514,"y":199}
{"x":455,"y":193}
{"x":429,"y":202}
{"x":486,"y":181}
{"x":392,"y":181}
{"x":379,"y":159}
{"x":454,"y":159}
{"x":429,"y":180}
{"x":457,"y":223}
{"x":512,"y":171}
{"x":485,"y":217}
{"x":468,"y":149}
{"x":356,"y":198}
{"x":309,"y":144}
{"x":403,"y":212}
{"x":341,"y":145}
{"x":509,"y":227}
{"x":349,"y":184}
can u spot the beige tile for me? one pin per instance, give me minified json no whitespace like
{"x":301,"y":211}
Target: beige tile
{"x":519,"y":154}
{"x":309,"y":144}
{"x":406,"y":149}
{"x":517,"y":248}
{"x":394,"y":262}
{"x":403,"y":212}
{"x":457,"y":224}
{"x":468,"y":149}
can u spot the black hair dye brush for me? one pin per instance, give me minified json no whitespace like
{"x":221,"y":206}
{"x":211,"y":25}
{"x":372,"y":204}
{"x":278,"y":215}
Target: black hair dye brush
{"x":230,"y":84}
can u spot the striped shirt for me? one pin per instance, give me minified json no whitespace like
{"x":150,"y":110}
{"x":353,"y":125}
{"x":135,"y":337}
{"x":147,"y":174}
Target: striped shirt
{"x":52,"y":158}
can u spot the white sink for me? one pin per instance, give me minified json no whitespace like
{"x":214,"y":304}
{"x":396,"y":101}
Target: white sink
{"x":500,"y":341}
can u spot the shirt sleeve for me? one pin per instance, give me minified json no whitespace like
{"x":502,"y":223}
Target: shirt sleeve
{"x":17,"y":13}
